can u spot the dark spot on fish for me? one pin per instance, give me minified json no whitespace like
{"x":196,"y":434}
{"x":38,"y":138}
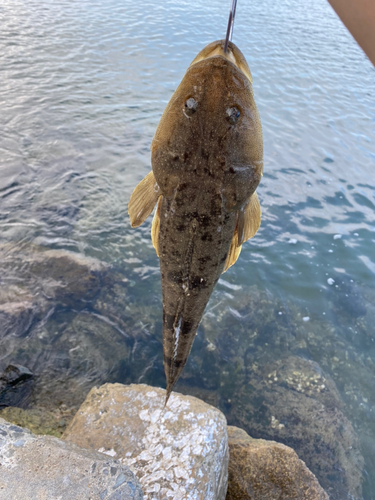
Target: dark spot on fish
{"x":231,"y":170}
{"x":204,"y":260}
{"x":197,"y":282}
{"x":204,"y":154}
{"x":168,"y":360}
{"x":186,"y":327}
{"x":174,"y":278}
{"x":176,"y":158}
{"x":179,"y":201}
{"x":168,"y":321}
{"x":205,"y":221}
{"x":206,"y":237}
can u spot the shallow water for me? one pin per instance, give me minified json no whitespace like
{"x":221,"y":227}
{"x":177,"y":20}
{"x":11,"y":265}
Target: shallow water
{"x":83,"y":87}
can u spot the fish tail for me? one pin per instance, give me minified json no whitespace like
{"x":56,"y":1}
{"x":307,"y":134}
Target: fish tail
{"x":169,"y":392}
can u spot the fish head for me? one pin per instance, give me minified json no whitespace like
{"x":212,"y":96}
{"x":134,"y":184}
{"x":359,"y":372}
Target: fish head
{"x":211,"y":128}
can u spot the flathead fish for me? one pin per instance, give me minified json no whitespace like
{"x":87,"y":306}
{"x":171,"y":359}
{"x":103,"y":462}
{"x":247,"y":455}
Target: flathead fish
{"x":207,"y":161}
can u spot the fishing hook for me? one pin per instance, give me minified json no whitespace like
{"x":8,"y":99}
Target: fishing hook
{"x":232,"y":13}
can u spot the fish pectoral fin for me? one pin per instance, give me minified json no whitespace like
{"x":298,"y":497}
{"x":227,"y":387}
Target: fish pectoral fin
{"x":143,"y":200}
{"x":248,"y":223}
{"x":248,"y":220}
{"x":156,"y":226}
{"x":234,"y":252}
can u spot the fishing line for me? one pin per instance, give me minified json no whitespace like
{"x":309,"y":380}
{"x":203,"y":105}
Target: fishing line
{"x":229,"y":34}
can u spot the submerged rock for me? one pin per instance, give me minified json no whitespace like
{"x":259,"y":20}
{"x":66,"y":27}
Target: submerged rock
{"x":346,"y":298}
{"x":178,"y":452}
{"x":35,"y":282}
{"x":37,"y":421}
{"x":293,"y":402}
{"x":16,"y":316}
{"x":260,"y":469}
{"x":14,"y":374}
{"x":47,"y":276}
{"x":15,"y":386}
{"x":46,"y":467}
{"x":67,"y":277}
{"x":71,"y":358}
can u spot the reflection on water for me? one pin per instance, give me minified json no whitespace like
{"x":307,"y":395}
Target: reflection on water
{"x":83,"y":87}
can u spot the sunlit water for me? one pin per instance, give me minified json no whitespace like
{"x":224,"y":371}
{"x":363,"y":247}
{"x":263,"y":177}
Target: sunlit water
{"x":83,"y":85}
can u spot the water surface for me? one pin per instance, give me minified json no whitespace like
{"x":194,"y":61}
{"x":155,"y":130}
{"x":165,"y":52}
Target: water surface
{"x":83,"y":86}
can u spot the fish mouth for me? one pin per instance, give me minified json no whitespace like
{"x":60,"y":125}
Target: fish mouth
{"x":233,"y":55}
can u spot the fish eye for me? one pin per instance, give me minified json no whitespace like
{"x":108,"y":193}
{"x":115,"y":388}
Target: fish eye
{"x":233,"y":115}
{"x":190,"y":106}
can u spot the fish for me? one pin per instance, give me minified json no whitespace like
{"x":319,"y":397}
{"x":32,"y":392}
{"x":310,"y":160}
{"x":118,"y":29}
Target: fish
{"x":207,"y":162}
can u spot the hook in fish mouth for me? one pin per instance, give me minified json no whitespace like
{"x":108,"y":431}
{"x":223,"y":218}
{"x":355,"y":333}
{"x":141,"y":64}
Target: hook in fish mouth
{"x":233,"y":55}
{"x":229,"y":34}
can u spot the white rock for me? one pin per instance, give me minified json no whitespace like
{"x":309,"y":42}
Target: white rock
{"x":178,"y":452}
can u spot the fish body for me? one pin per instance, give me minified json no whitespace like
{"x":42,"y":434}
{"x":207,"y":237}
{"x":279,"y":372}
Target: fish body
{"x":207,"y":161}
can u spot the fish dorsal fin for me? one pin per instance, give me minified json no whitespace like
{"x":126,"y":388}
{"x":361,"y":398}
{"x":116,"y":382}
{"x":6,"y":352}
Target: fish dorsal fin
{"x":156,"y":226}
{"x":248,"y":220}
{"x":248,"y":223}
{"x":143,"y":200}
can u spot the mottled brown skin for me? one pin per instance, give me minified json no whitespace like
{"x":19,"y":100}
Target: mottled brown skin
{"x":206,"y":169}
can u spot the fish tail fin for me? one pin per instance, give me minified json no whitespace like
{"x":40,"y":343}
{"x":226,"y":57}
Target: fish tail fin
{"x":178,"y":338}
{"x":143,"y":200}
{"x":168,"y":394}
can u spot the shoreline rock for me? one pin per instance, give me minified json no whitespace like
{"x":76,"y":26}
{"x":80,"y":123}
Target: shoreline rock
{"x":260,"y":469}
{"x":177,"y":452}
{"x":36,"y":467}
{"x":293,"y":402}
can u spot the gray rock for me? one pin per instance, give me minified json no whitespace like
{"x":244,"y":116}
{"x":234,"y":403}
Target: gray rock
{"x":260,"y":469}
{"x":178,"y":452}
{"x":13,"y":374}
{"x":15,"y":386}
{"x":47,"y":468}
